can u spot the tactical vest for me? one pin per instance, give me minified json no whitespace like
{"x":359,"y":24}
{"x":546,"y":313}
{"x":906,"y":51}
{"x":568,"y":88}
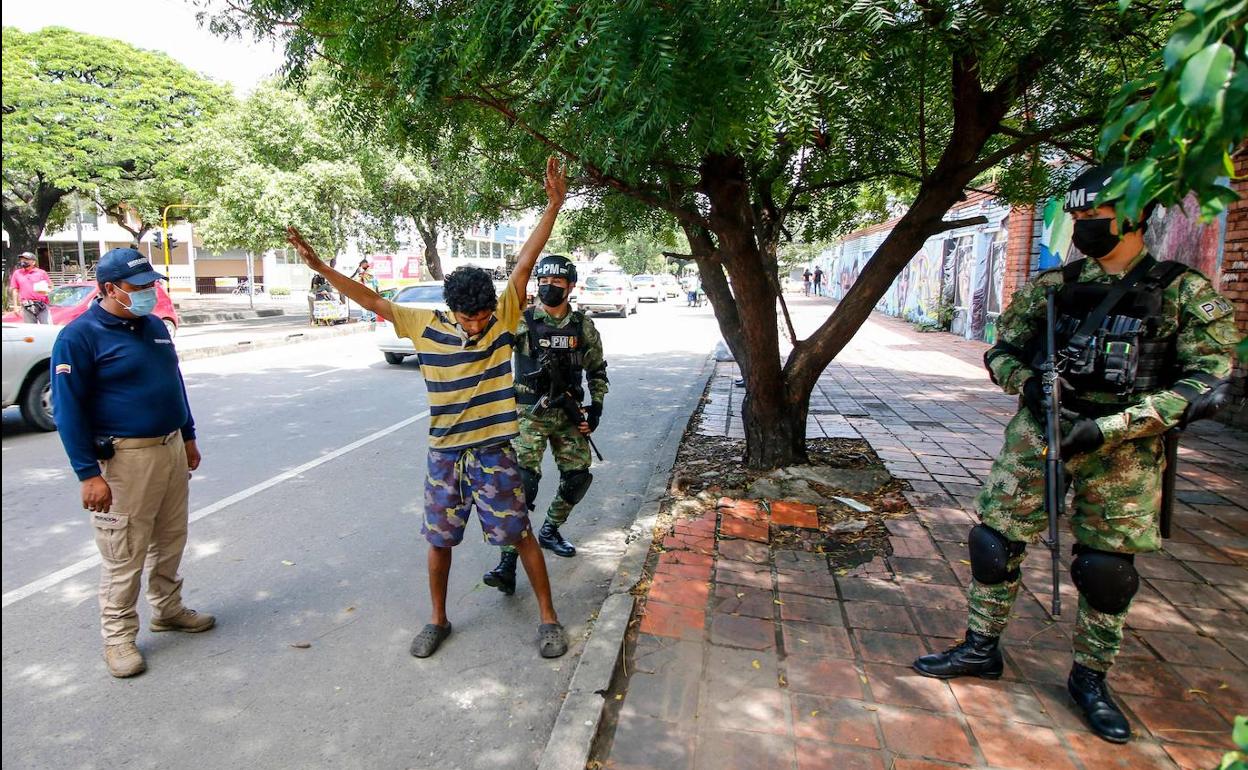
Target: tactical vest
{"x":552,"y":352}
{"x":1108,"y":333}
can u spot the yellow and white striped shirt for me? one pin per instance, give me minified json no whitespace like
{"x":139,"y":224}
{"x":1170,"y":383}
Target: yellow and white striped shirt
{"x":471,"y":398}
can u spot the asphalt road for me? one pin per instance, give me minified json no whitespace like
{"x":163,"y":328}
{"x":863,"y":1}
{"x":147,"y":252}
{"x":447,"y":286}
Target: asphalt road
{"x":306,"y":516}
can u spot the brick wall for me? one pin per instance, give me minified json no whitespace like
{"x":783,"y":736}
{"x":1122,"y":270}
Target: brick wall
{"x":1018,"y":256}
{"x":1235,"y":284}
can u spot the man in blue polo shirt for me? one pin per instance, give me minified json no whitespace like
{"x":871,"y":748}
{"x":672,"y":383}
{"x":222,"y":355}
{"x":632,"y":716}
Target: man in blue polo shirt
{"x":123,"y":416}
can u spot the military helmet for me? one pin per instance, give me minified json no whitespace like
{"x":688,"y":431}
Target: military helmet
{"x":555,"y":266}
{"x":1081,"y":195}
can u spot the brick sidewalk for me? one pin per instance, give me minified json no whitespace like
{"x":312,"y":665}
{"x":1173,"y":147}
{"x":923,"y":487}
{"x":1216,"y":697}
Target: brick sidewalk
{"x":751,"y":657}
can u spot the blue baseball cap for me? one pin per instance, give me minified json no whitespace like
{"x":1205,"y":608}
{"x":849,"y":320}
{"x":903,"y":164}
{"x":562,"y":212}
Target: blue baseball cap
{"x":126,"y":265}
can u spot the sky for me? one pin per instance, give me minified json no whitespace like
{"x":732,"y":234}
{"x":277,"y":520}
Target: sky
{"x":163,"y":25}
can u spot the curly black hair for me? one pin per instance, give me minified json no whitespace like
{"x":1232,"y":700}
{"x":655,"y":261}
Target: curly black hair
{"x":469,"y":290}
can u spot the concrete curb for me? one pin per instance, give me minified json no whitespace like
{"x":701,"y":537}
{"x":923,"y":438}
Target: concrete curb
{"x":577,"y":723}
{"x":243,"y":346}
{"x":196,"y":318}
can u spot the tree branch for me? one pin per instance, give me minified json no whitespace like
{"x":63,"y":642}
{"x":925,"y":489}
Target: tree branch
{"x":1030,"y":140}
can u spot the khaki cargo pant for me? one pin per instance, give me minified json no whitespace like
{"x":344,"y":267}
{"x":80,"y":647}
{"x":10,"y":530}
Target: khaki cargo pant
{"x":145,"y":528}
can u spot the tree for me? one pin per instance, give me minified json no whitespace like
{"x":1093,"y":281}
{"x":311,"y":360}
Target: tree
{"x":271,"y":163}
{"x":88,"y":114}
{"x":1175,"y":128}
{"x":445,"y":190}
{"x":745,"y":123}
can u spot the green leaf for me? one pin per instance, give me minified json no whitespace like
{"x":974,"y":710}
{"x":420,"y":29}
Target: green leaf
{"x":1205,"y":74}
{"x":1240,"y":732}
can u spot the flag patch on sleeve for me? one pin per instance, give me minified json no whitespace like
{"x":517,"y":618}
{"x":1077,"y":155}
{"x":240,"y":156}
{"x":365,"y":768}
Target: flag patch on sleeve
{"x":62,"y":369}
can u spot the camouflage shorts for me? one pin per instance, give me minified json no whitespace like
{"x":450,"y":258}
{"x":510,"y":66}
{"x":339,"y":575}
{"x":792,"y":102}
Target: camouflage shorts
{"x":1117,"y":491}
{"x":487,"y":478}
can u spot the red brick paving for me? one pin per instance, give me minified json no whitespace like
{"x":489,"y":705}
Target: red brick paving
{"x":744,"y":528}
{"x":671,"y":620}
{"x":838,"y":691}
{"x":1005,"y":745}
{"x":790,"y":514}
{"x":921,"y":734}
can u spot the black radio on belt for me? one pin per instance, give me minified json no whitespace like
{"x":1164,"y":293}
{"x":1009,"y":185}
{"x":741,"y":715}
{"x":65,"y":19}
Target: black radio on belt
{"x":104,"y":449}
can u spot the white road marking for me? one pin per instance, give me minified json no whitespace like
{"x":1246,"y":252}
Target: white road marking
{"x":61,"y":575}
{"x":329,"y":371}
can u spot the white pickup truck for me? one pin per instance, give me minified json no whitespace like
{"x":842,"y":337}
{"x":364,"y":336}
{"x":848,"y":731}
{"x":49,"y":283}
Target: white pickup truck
{"x":27,"y":379}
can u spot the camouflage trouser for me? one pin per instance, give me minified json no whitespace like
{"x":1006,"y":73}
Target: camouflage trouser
{"x":570,"y":448}
{"x":1117,"y":499}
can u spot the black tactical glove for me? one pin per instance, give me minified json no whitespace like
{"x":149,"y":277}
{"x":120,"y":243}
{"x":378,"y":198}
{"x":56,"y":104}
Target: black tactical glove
{"x":1084,"y":437}
{"x":1206,"y":404}
{"x":593,"y":415}
{"x":1033,"y":397}
{"x":1037,"y":403}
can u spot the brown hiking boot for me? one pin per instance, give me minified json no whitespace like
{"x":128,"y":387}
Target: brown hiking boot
{"x":124,"y":660}
{"x":190,"y":621}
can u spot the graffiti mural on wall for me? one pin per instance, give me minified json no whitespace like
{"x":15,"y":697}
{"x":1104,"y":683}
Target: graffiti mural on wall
{"x":965,"y":269}
{"x":1175,"y":233}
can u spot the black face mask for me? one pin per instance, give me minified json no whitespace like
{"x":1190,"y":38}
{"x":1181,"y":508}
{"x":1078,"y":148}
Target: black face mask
{"x":1093,"y":237}
{"x":551,"y":295}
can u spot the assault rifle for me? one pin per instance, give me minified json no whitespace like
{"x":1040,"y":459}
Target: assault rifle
{"x":1054,"y":471}
{"x":560,"y":395}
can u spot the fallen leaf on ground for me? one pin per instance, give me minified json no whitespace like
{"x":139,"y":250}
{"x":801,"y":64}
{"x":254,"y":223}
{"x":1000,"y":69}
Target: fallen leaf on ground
{"x":287,"y":563}
{"x":301,"y":645}
{"x":755,"y":663}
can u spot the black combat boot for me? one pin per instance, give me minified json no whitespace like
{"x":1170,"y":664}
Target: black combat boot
{"x":548,"y":537}
{"x":503,"y":577}
{"x":1091,"y":693}
{"x":978,"y":655}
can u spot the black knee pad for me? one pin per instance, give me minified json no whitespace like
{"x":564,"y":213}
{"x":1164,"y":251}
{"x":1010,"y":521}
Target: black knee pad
{"x":1107,"y":580}
{"x":530,"y":480}
{"x":990,"y":555}
{"x":574,"y":484}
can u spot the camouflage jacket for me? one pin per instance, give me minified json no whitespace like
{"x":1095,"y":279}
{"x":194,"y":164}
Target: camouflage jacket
{"x":592,"y":360}
{"x":1202,"y":319}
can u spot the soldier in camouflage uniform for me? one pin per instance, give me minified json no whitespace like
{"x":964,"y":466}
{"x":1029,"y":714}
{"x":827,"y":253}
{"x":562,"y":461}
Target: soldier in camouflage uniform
{"x":1157,"y":357}
{"x":555,"y":348}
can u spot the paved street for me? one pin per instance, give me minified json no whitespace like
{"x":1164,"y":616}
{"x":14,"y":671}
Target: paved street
{"x":305,"y":528}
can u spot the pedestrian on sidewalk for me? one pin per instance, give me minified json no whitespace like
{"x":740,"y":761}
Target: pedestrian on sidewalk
{"x":363,"y":274}
{"x":29,"y":286}
{"x":125,"y":421}
{"x":806,"y":282}
{"x":818,"y":281}
{"x":1119,"y":299}
{"x":465,"y":357}
{"x":556,"y":349}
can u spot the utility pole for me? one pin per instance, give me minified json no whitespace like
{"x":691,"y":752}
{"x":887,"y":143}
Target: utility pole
{"x":82,"y":254}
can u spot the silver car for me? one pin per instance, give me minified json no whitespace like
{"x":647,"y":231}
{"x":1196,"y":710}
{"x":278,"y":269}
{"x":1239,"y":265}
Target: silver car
{"x":427,"y":296}
{"x":27,"y":375}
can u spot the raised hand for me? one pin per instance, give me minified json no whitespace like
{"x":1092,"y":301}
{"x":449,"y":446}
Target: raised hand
{"x":556,"y":182}
{"x":304,"y":249}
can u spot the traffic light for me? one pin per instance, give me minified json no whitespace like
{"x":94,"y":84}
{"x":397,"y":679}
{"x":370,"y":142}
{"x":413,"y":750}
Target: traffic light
{"x":173,"y":243}
{"x":156,"y":239}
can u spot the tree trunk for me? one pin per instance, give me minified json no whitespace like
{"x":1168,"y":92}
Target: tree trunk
{"x":25,"y":216}
{"x":429,"y":234}
{"x":775,"y":421}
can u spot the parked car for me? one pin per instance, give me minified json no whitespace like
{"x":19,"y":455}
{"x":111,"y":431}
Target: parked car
{"x":426,"y":295}
{"x":671,"y":287}
{"x":649,"y":287}
{"x":608,"y":293}
{"x":68,"y":301}
{"x":27,"y":379}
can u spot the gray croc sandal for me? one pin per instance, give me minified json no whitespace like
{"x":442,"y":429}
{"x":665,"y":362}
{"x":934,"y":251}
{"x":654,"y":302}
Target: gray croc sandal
{"x":551,"y":641}
{"x":429,"y":639}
